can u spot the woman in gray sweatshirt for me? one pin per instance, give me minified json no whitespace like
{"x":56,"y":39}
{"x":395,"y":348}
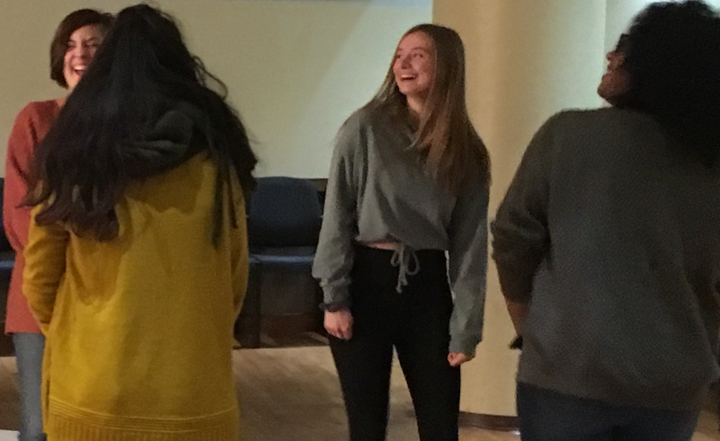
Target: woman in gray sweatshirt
{"x":607,"y":243}
{"x":408,"y":184}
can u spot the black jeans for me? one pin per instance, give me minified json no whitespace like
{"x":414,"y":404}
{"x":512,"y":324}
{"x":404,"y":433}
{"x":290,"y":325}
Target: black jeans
{"x":416,"y":323}
{"x":546,"y":415}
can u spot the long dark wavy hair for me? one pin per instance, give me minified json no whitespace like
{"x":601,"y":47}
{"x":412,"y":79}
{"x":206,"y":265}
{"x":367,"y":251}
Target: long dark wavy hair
{"x":672,"y":56}
{"x":106,"y":136}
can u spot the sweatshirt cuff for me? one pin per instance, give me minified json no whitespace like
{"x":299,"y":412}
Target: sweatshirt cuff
{"x":335,"y":296}
{"x":465,"y":345}
{"x":334,"y":306}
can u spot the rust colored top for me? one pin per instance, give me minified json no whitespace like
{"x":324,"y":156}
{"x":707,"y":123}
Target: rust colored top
{"x":31,"y":125}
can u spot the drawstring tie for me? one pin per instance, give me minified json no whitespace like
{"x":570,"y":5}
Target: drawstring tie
{"x":403,"y":257}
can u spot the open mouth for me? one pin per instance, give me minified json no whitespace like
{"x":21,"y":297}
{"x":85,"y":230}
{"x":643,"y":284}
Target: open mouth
{"x":408,"y":77}
{"x":79,"y":71}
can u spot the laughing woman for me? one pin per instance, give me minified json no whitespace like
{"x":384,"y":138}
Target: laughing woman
{"x":408,"y":184}
{"x":71,"y":51}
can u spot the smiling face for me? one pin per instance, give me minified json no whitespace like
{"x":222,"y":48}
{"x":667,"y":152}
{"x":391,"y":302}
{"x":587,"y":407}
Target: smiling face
{"x":81,"y":48}
{"x":414,"y":66}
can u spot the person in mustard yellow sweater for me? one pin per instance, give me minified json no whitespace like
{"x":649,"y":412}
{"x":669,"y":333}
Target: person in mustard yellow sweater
{"x":136,"y":261}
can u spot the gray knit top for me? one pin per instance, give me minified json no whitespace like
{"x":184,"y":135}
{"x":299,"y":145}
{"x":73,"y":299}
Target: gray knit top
{"x":378,"y":191}
{"x":613,"y":235}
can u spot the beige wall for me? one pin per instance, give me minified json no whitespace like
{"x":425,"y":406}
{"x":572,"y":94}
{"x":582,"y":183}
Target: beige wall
{"x":295,"y":69}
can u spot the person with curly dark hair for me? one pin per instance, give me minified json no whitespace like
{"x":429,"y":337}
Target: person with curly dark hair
{"x":136,"y":259}
{"x":607,"y":243}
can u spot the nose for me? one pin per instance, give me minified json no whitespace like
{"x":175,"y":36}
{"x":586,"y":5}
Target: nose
{"x":405,"y":61}
{"x":80,"y":51}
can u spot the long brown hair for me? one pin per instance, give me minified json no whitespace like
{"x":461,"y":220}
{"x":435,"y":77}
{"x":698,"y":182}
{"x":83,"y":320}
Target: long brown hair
{"x":453,"y":152}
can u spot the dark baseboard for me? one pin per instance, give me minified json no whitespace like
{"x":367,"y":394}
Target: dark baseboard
{"x":292,"y":324}
{"x":6,"y":345}
{"x":285,"y":330}
{"x":489,"y":422}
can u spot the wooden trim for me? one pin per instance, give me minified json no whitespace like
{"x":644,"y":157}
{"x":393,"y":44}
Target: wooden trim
{"x":273,"y":330}
{"x":500,"y":423}
{"x":6,"y":344}
{"x":292,"y":324}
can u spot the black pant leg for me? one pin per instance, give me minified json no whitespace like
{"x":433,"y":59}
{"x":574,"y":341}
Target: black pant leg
{"x":422,"y":344}
{"x":364,"y":368}
{"x":364,"y":363}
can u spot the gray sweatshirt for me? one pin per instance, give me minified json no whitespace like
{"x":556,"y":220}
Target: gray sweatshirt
{"x":378,"y":191}
{"x":613,"y":236}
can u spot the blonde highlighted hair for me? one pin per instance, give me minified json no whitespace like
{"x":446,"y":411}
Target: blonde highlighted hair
{"x":453,"y":152}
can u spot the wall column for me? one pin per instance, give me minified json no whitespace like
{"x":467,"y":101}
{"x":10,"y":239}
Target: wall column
{"x":526,"y":59}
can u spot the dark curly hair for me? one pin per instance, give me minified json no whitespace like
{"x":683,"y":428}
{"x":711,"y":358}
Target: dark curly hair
{"x":672,"y":56}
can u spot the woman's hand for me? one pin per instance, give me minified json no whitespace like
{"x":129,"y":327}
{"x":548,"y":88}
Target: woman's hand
{"x":457,"y":358}
{"x":339,"y":324}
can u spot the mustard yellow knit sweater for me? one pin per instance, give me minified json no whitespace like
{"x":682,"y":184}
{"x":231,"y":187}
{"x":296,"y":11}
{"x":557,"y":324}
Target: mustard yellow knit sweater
{"x":139,"y":329}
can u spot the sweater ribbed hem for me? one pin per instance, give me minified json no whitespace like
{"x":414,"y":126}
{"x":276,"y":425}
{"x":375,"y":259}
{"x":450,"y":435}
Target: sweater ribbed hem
{"x":65,"y":423}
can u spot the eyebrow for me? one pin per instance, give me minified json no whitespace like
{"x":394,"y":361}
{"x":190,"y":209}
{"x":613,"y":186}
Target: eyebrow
{"x":89,"y":40}
{"x":413,"y":49}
